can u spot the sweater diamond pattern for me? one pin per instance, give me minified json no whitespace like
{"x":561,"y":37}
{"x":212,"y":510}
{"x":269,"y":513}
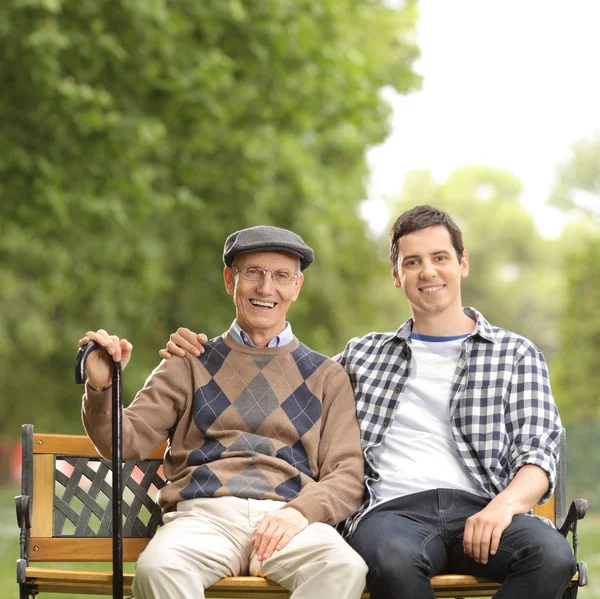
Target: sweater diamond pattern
{"x":262,"y":361}
{"x":289,"y":488}
{"x":251,"y":483}
{"x":302,"y":408}
{"x":214,"y":355}
{"x":244,"y":401}
{"x":250,"y":445}
{"x":307,"y":360}
{"x":204,"y":483}
{"x":256,"y":402}
{"x":209,"y":403}
{"x":296,"y":455}
{"x":210,"y":451}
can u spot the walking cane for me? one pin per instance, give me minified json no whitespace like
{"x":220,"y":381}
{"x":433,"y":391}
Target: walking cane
{"x":117,"y":460}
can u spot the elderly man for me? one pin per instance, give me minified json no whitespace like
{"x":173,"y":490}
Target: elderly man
{"x":264,"y":453}
{"x":460,"y":433}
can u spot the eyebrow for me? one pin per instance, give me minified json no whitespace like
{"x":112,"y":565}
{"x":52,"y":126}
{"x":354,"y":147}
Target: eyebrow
{"x":436,"y":253}
{"x":263,"y":268}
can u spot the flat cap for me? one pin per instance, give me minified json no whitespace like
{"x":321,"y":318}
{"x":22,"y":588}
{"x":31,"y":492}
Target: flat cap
{"x":265,"y":238}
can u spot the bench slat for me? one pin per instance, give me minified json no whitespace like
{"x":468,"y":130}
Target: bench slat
{"x":43,"y":481}
{"x":83,"y":549}
{"x":76,"y":445}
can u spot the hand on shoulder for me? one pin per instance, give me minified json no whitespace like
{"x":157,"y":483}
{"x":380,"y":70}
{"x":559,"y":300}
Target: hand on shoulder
{"x":184,"y":340}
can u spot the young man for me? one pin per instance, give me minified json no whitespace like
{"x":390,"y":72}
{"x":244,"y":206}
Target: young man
{"x":264,"y":452}
{"x":459,"y":430}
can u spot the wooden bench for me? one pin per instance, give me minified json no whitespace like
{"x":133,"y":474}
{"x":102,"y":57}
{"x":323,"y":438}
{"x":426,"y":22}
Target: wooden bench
{"x":64,"y":515}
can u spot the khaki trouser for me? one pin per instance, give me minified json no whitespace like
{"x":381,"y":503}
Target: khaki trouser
{"x":208,"y":539}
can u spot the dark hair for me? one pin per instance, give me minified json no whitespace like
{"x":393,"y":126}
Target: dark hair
{"x":421,"y":217}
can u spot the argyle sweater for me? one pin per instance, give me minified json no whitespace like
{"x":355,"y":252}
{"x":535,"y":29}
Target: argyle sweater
{"x":262,"y":423}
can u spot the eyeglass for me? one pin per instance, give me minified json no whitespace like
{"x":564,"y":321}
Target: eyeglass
{"x":255,"y":274}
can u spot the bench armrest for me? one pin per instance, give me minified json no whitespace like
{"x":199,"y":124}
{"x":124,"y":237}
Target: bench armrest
{"x":577,"y":511}
{"x":23,"y":505}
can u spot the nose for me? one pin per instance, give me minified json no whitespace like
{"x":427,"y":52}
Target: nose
{"x":428,"y":270}
{"x":266,"y":284}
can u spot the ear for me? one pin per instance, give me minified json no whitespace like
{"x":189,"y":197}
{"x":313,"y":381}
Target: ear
{"x":396,"y":278}
{"x":297,"y":286}
{"x":464,"y":265}
{"x":229,"y":278}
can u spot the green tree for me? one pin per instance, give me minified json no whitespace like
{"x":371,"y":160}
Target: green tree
{"x":577,"y":185}
{"x":576,"y":377}
{"x":135,"y":135}
{"x":577,"y":193}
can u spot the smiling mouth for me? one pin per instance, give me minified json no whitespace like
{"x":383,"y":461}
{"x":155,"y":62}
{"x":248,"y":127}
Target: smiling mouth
{"x":261,"y":304}
{"x":432,"y":288}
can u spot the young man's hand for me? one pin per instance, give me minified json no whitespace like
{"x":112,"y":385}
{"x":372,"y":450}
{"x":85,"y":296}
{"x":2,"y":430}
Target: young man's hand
{"x":97,"y":366}
{"x":484,"y":529}
{"x":276,"y":530}
{"x":184,"y":340}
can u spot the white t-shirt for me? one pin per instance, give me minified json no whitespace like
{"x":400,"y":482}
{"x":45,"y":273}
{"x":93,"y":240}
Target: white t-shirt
{"x":419,"y":452}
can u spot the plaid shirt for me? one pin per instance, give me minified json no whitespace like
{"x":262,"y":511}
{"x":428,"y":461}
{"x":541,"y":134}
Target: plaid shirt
{"x":502,"y":411}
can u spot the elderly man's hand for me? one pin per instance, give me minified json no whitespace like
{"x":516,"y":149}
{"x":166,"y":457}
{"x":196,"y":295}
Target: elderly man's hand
{"x":276,"y":530}
{"x":184,"y":340}
{"x":97,"y":366}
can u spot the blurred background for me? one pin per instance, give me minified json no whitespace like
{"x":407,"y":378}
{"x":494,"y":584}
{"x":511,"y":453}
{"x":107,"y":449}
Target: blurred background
{"x":136,"y":134}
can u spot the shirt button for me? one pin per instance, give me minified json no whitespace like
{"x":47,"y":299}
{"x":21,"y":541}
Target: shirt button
{"x":397,"y":390}
{"x":386,"y":423}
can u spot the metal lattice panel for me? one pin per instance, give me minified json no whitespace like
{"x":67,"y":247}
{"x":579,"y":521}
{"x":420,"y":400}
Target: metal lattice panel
{"x":82,"y":497}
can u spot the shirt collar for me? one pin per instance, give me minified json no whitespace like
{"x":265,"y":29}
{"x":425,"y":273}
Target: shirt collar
{"x":482,"y":328}
{"x":240,"y":336}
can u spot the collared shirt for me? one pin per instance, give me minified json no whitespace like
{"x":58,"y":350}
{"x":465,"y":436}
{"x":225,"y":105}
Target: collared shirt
{"x":240,"y":336}
{"x":502,"y":411}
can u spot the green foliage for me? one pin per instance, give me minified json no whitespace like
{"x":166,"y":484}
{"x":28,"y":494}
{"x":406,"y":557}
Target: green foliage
{"x":583,"y":458}
{"x":576,"y":377}
{"x":579,"y":175}
{"x":134,"y":136}
{"x":507,"y":256}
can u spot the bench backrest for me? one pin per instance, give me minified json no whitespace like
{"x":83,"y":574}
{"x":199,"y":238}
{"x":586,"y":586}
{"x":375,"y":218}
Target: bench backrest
{"x":69,"y":484}
{"x":70,"y":489}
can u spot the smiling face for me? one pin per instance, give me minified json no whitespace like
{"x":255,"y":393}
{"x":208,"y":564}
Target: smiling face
{"x":430,"y":273}
{"x":261,"y":306}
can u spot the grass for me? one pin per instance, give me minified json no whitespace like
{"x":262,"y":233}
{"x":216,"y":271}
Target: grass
{"x":589,"y":550}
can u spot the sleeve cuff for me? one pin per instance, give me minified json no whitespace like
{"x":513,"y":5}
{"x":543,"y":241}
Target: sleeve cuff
{"x":303,"y":506}
{"x":97,"y":402}
{"x":541,"y":462}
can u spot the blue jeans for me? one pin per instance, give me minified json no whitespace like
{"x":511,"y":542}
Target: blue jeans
{"x":408,"y":540}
